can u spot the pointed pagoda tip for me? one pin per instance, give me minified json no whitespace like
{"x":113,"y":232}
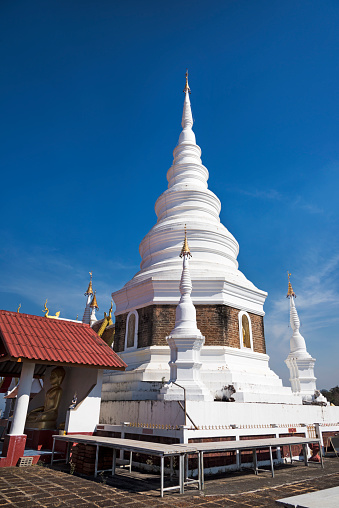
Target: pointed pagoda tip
{"x":90,"y":287}
{"x":187,"y":88}
{"x":185,"y":251}
{"x":94,"y":303}
{"x":290,"y":291}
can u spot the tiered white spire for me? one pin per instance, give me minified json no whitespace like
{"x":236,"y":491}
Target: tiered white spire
{"x":189,"y":201}
{"x":91,"y":304}
{"x":297,"y":341}
{"x":185,"y":342}
{"x":299,"y":361}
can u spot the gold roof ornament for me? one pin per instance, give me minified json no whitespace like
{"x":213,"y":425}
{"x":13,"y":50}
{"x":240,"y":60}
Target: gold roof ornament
{"x":290,"y":291}
{"x":18,"y":311}
{"x":107,"y":321}
{"x":90,"y":287}
{"x":94,"y":302}
{"x":109,"y":317}
{"x":45,"y":309}
{"x":187,"y":88}
{"x":185,"y":251}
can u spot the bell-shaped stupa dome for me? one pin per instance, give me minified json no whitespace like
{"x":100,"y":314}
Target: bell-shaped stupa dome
{"x":188,"y":201}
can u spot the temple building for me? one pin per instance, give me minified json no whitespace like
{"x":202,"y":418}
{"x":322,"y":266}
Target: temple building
{"x":229,"y":307}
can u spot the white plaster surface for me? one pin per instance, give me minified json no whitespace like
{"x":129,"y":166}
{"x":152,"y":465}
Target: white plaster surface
{"x":300,"y":362}
{"x":85,"y":416}
{"x":185,"y":342}
{"x":22,"y":401}
{"x":210,"y":414}
{"x":214,"y":268}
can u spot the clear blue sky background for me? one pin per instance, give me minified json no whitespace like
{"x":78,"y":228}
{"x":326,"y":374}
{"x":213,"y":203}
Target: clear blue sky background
{"x":91,"y":102}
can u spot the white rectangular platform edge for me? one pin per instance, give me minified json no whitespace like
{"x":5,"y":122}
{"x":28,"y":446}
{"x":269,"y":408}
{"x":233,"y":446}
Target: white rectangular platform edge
{"x":327,"y":498}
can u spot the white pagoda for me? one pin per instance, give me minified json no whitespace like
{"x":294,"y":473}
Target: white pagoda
{"x":229,"y":308}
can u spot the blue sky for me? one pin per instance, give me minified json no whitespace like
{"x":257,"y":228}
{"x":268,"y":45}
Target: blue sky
{"x":91,"y":101}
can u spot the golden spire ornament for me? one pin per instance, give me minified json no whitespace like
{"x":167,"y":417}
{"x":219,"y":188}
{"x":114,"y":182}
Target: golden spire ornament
{"x":290,"y":291}
{"x":90,"y":287}
{"x":94,"y":302}
{"x":18,"y":311}
{"x":187,"y":88}
{"x":185,"y":251}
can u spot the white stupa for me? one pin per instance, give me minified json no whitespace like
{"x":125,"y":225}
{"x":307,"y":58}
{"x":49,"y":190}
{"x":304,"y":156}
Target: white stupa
{"x":215,"y":268}
{"x":185,"y":342}
{"x":229,"y":308}
{"x":299,"y":361}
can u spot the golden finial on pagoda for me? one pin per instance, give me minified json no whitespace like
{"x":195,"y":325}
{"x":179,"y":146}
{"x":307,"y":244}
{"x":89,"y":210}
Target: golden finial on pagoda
{"x":90,"y":287}
{"x":185,"y":251}
{"x":18,"y":311}
{"x":45,"y":309}
{"x":94,"y":302}
{"x":187,"y":88}
{"x":290,"y":291}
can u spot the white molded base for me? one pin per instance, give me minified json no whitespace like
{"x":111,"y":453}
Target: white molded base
{"x":228,"y":373}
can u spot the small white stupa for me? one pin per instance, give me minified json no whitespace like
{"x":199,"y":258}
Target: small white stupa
{"x":299,"y":361}
{"x":89,"y":316}
{"x":185,"y":342}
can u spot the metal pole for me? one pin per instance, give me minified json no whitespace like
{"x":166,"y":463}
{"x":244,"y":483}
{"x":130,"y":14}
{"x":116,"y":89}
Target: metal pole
{"x":130,"y":461}
{"x":68,"y":452}
{"x":176,"y":384}
{"x":96,"y":461}
{"x":305,"y":455}
{"x":290,"y":447}
{"x":53,"y":451}
{"x":162,"y":476}
{"x":255,"y":465}
{"x":271,"y":460}
{"x":202,"y":470}
{"x":321,"y":455}
{"x":114,"y":461}
{"x":181,"y":473}
{"x":199,"y":472}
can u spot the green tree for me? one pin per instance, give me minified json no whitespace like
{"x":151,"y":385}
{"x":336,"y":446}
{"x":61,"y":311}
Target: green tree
{"x":332,"y":395}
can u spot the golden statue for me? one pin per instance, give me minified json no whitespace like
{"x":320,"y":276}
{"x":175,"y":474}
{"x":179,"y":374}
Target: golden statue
{"x":45,"y":417}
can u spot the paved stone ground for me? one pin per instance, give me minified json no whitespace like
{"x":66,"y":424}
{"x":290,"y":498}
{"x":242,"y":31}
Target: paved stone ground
{"x":42,"y":486}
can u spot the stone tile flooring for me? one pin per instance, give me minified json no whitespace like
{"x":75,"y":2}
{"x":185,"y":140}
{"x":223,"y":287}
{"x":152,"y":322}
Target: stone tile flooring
{"x":42,"y":486}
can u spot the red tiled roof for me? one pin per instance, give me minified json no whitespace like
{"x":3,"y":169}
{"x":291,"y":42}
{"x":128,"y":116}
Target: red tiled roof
{"x":53,"y":340}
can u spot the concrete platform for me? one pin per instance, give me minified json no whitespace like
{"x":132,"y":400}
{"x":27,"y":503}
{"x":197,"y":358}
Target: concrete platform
{"x":328,"y":498}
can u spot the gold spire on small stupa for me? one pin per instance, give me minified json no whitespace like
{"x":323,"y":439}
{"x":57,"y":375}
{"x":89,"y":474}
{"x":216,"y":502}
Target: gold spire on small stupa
{"x":94,"y":301}
{"x":90,"y":287}
{"x":290,"y":291}
{"x":187,"y":88}
{"x":185,"y":251}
